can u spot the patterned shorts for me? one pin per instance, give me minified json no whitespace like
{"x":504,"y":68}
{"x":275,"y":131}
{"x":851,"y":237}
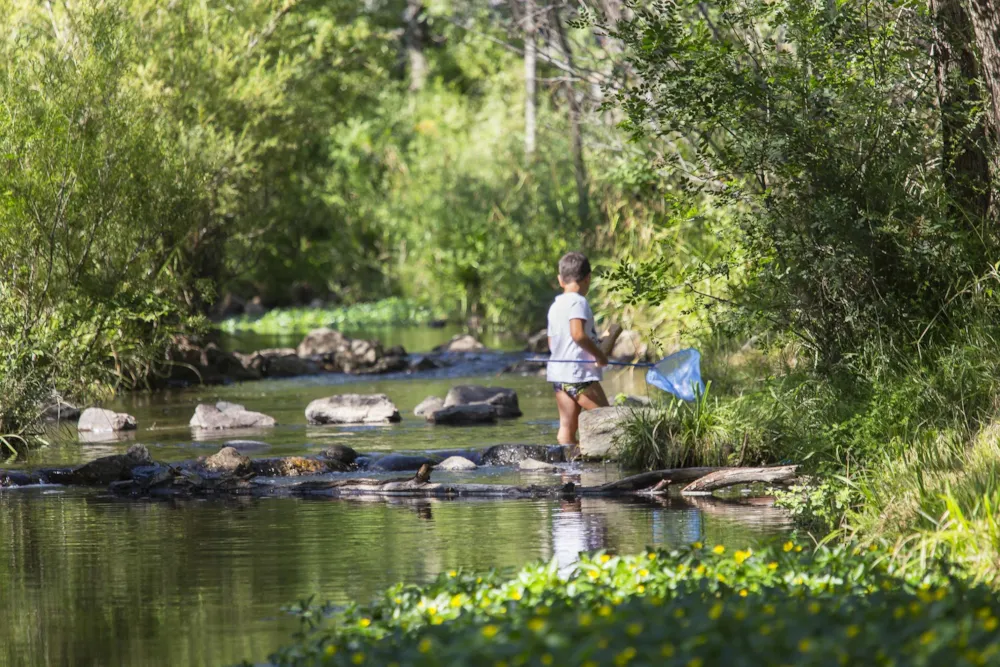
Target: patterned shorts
{"x":574,"y":389}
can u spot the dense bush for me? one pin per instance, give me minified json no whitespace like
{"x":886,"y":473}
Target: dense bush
{"x":693,"y":606}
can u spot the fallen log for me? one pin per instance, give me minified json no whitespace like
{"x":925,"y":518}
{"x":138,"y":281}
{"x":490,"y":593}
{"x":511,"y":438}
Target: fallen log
{"x":647,"y":479}
{"x":724,"y":477}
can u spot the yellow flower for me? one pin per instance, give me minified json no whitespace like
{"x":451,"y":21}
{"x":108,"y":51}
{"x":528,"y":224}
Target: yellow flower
{"x":593,"y":574}
{"x":741,"y":556}
{"x":697,"y":545}
{"x":640,"y":589}
{"x":769,"y":609}
{"x":651,"y":556}
{"x":546,"y":658}
{"x":667,"y":650}
{"x":695,"y":662}
{"x":814,"y":607}
{"x":515,"y":594}
{"x":898,"y":612}
{"x":365,"y":622}
{"x":644,"y":572}
{"x":805,"y":646}
{"x":743,"y":592}
{"x":700,"y":569}
{"x":485,"y":602}
{"x":452,"y":574}
{"x":798,"y":549}
{"x":678,"y":613}
{"x":788,"y":546}
{"x":432,"y":610}
{"x":331,"y":650}
{"x":605,"y":558}
{"x":721,"y":577}
{"x":927,"y":637}
{"x":765,"y":629}
{"x":424,"y":646}
{"x":873,"y":547}
{"x":358,"y":658}
{"x":456,"y":601}
{"x":585,"y":620}
{"x":398,"y":600}
{"x":634,"y":629}
{"x":852,"y":631}
{"x":682,"y":568}
{"x":716,"y":611}
{"x":490,"y":631}
{"x":604,"y":610}
{"x":719,"y":549}
{"x":624,"y":657}
{"x":536,"y":625}
{"x":990,"y":624}
{"x":772,"y":566}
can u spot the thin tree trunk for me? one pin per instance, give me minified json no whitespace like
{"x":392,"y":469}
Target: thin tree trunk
{"x":576,"y":135}
{"x":413,"y":40}
{"x":967,"y":168}
{"x":986,"y":25}
{"x":530,"y":66}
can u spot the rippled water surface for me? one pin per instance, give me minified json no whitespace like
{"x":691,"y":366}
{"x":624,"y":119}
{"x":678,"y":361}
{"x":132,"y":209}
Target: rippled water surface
{"x":89,"y":579}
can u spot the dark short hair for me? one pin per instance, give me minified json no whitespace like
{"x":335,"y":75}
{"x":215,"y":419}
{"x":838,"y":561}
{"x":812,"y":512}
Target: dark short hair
{"x":574,"y":267}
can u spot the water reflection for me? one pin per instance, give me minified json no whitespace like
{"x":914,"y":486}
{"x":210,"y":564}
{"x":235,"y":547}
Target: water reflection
{"x":91,"y":579}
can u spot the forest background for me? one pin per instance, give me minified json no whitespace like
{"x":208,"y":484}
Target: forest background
{"x":812,"y":183}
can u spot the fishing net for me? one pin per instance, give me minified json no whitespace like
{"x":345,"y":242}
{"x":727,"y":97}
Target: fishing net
{"x":678,"y":374}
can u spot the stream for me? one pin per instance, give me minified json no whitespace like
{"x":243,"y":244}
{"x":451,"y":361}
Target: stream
{"x":87,"y":578}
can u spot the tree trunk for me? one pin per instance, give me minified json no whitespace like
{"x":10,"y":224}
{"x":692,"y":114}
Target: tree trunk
{"x":576,"y":135}
{"x":967,"y":169}
{"x":530,"y":66}
{"x":720,"y":479}
{"x":413,"y":40}
{"x":986,"y":26}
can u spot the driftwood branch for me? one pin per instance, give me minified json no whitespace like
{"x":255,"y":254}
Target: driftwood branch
{"x":649,"y":479}
{"x":724,"y":477}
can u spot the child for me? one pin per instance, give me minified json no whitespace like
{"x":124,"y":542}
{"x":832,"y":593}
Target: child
{"x":572,"y":336}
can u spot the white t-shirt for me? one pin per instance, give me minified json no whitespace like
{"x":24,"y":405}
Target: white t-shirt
{"x":566,"y":307}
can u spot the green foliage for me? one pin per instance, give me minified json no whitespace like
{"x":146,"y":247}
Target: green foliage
{"x":393,"y":311}
{"x":818,"y":508}
{"x":689,"y":606}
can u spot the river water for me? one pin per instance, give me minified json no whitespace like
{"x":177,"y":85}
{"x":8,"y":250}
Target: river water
{"x":90,"y":579}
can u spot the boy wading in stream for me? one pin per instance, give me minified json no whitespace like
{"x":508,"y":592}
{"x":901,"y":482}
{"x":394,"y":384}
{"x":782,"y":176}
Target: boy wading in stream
{"x":573,"y":337}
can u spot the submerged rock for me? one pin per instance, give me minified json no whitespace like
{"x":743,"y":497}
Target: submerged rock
{"x":423,"y":364}
{"x":505,"y":455}
{"x":228,"y":461}
{"x":352,"y":409}
{"x":456,"y":463}
{"x":533,"y":465}
{"x":99,"y":420}
{"x":224,"y":415}
{"x":402,"y":462}
{"x":428,"y":405}
{"x":463,"y":415}
{"x":340,"y":453}
{"x":295,"y":466}
{"x":503,"y":400}
{"x":107,"y":469}
{"x":461,"y":343}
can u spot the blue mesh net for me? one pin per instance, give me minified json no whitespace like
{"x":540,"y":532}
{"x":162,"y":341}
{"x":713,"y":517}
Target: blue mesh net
{"x":678,"y":374}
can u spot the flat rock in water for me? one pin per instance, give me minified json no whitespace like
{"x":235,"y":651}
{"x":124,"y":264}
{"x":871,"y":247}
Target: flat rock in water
{"x":322,"y":342}
{"x":99,"y":420}
{"x":456,"y":463}
{"x":504,"y":400}
{"x":598,"y":429}
{"x":228,"y":461}
{"x":505,"y":455}
{"x":296,"y":466}
{"x":352,"y":409}
{"x":402,"y":462}
{"x":533,"y":465}
{"x":461,"y":343}
{"x":429,"y":404}
{"x":463,"y":415}
{"x":108,"y":469}
{"x":224,"y":415}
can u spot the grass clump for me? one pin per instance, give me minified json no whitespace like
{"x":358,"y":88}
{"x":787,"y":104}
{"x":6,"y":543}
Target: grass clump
{"x":697,"y":605}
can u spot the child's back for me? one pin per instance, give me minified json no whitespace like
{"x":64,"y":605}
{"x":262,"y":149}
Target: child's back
{"x":571,"y":306}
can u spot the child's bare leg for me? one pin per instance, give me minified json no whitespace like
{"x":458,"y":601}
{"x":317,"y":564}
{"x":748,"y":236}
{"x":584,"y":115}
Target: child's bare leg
{"x":569,"y":414}
{"x":593,"y":398}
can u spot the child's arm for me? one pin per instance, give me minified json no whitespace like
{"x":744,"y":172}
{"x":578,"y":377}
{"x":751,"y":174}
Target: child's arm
{"x":581,"y":338}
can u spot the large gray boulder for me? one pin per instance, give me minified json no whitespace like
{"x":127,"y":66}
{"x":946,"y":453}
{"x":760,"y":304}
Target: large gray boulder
{"x":224,"y":415}
{"x":99,"y":420}
{"x":463,"y":415}
{"x":428,"y":405}
{"x":598,"y":429}
{"x":630,"y":347}
{"x":461,"y":343}
{"x":503,"y":400}
{"x":322,"y":342}
{"x":456,"y":463}
{"x":352,"y":409}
